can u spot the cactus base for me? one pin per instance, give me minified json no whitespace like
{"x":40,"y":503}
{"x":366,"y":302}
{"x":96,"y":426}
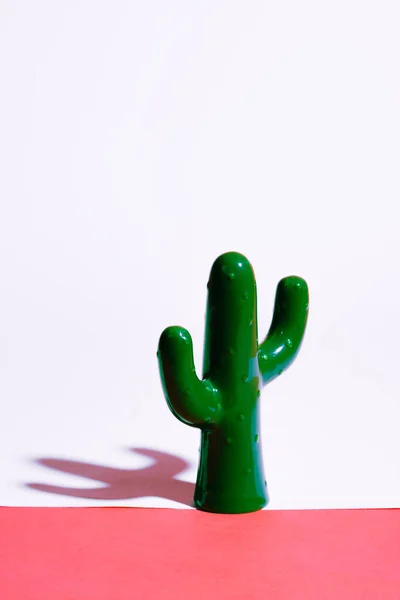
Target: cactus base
{"x":207,"y":503}
{"x":230,"y":477}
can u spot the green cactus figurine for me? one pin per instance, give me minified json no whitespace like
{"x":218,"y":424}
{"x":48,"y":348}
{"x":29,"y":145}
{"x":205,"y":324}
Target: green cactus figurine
{"x":224,"y":405}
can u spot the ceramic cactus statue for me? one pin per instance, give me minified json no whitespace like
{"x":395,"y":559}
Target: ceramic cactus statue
{"x":224,"y":404}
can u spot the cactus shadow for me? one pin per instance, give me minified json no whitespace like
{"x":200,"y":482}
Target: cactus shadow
{"x":156,"y":480}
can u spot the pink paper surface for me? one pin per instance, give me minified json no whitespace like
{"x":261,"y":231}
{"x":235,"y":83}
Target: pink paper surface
{"x":121,"y":554}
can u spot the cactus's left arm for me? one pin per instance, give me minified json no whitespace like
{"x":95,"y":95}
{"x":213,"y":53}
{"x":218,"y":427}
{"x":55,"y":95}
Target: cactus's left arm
{"x":193,"y":401}
{"x":284,"y":338}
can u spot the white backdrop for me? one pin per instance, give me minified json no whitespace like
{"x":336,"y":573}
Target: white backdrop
{"x":139,"y":140}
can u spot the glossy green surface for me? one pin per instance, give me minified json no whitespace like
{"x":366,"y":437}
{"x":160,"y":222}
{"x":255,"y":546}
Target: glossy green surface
{"x":224,"y":405}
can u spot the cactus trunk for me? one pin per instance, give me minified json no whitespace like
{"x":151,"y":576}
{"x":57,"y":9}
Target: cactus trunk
{"x":230,"y":477}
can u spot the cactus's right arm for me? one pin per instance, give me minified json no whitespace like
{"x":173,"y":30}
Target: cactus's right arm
{"x":283,"y":341}
{"x":191,"y":400}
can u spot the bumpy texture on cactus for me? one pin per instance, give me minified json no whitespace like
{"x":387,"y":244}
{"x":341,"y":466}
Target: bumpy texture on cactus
{"x":225,"y":403}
